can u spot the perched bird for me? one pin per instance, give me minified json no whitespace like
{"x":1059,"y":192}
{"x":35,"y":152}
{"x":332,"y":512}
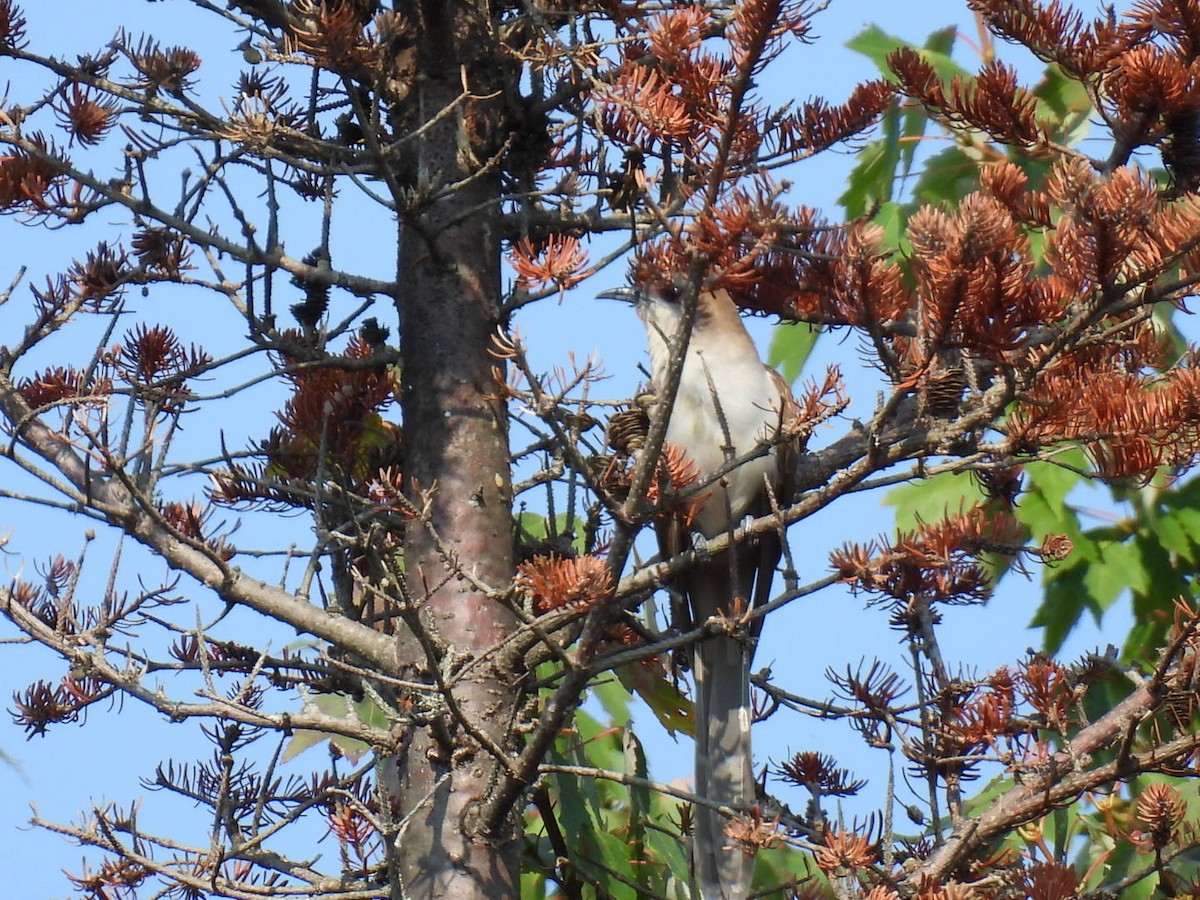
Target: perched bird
{"x":729,"y":406}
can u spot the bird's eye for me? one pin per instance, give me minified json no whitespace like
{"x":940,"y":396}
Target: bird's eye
{"x":671,"y":293}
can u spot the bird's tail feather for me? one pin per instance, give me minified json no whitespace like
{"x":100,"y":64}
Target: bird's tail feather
{"x":724,"y":771}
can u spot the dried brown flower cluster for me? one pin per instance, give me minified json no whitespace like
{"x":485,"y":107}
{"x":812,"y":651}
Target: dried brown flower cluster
{"x":331,"y":422}
{"x":113,"y":875}
{"x":167,"y":69}
{"x":99,"y":280}
{"x":674,"y":89}
{"x":332,"y":35}
{"x":1161,"y":809}
{"x":149,"y":363}
{"x":938,"y":563}
{"x":752,"y":833}
{"x":552,"y":582}
{"x":1018,"y":717}
{"x":161,"y":251}
{"x":41,"y":704}
{"x":558,"y":261}
{"x":673,"y":92}
{"x":1139,"y":70}
{"x":844,"y":852}
{"x":193,"y":520}
{"x":28,"y":181}
{"x":668,"y":492}
{"x":992,"y":101}
{"x":64,"y":383}
{"x":819,"y":124}
{"x":1051,"y":881}
{"x":819,"y":773}
{"x":153,"y":359}
{"x":85,"y":117}
{"x":12,"y":25}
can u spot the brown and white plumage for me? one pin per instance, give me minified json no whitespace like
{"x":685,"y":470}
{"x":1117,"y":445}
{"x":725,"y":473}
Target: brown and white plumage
{"x":728,"y":405}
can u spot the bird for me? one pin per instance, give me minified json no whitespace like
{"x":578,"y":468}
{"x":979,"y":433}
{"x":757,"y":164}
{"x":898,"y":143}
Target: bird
{"x":729,"y":406}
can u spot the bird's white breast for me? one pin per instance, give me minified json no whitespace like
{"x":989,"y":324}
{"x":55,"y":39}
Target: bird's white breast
{"x":719,"y":373}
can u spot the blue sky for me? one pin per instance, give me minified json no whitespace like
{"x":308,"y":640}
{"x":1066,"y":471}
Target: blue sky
{"x":63,"y":771}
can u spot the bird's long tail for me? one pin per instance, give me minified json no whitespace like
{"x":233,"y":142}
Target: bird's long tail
{"x":724,"y":771}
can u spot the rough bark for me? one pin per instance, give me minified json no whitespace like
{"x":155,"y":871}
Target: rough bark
{"x":456,"y":457}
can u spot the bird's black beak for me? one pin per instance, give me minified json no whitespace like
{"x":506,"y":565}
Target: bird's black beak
{"x":626,"y":294}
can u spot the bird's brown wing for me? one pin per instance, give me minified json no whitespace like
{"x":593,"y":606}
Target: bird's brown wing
{"x":673,"y":539}
{"x":762,"y":558}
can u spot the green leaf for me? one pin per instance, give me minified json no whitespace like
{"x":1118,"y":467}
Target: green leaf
{"x":874,"y":176}
{"x":1100,"y":853}
{"x":1103,"y":564}
{"x":1043,"y":518}
{"x":300,"y":741}
{"x":597,"y":744}
{"x":614,"y":856}
{"x":1166,"y":580}
{"x":1165,"y":327}
{"x":773,"y":867}
{"x":1064,"y":104}
{"x":1102,"y":589}
{"x":932,"y":499}
{"x":1121,"y":567}
{"x":532,"y":524}
{"x":989,"y":794}
{"x":635,"y":764}
{"x":575,"y":808}
{"x":941,"y":42}
{"x":615,"y":699}
{"x":869,"y":179}
{"x":1189,"y":520}
{"x":337,"y":706}
{"x":665,"y":848}
{"x":577,"y":801}
{"x":1184,"y":497}
{"x":672,"y":709}
{"x":534,"y":528}
{"x":876,"y":44}
{"x":1176,"y":534}
{"x":1052,"y":483}
{"x":890,"y":160}
{"x":1064,"y":602}
{"x":533,"y":885}
{"x":893,"y":218}
{"x":1040,"y":515}
{"x":791,"y":345}
{"x":948,"y":176}
{"x":640,"y":798}
{"x":1037,"y":246}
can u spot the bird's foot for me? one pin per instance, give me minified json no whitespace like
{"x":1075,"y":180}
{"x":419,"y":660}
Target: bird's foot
{"x":735,"y":620}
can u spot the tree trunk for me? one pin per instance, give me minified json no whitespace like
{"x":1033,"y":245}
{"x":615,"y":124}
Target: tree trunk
{"x":457,"y":459}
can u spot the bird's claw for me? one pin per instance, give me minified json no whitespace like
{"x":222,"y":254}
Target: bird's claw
{"x":736,"y":619}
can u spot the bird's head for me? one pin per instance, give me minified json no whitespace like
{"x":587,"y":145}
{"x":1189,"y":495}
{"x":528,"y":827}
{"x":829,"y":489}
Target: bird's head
{"x":658,"y":303}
